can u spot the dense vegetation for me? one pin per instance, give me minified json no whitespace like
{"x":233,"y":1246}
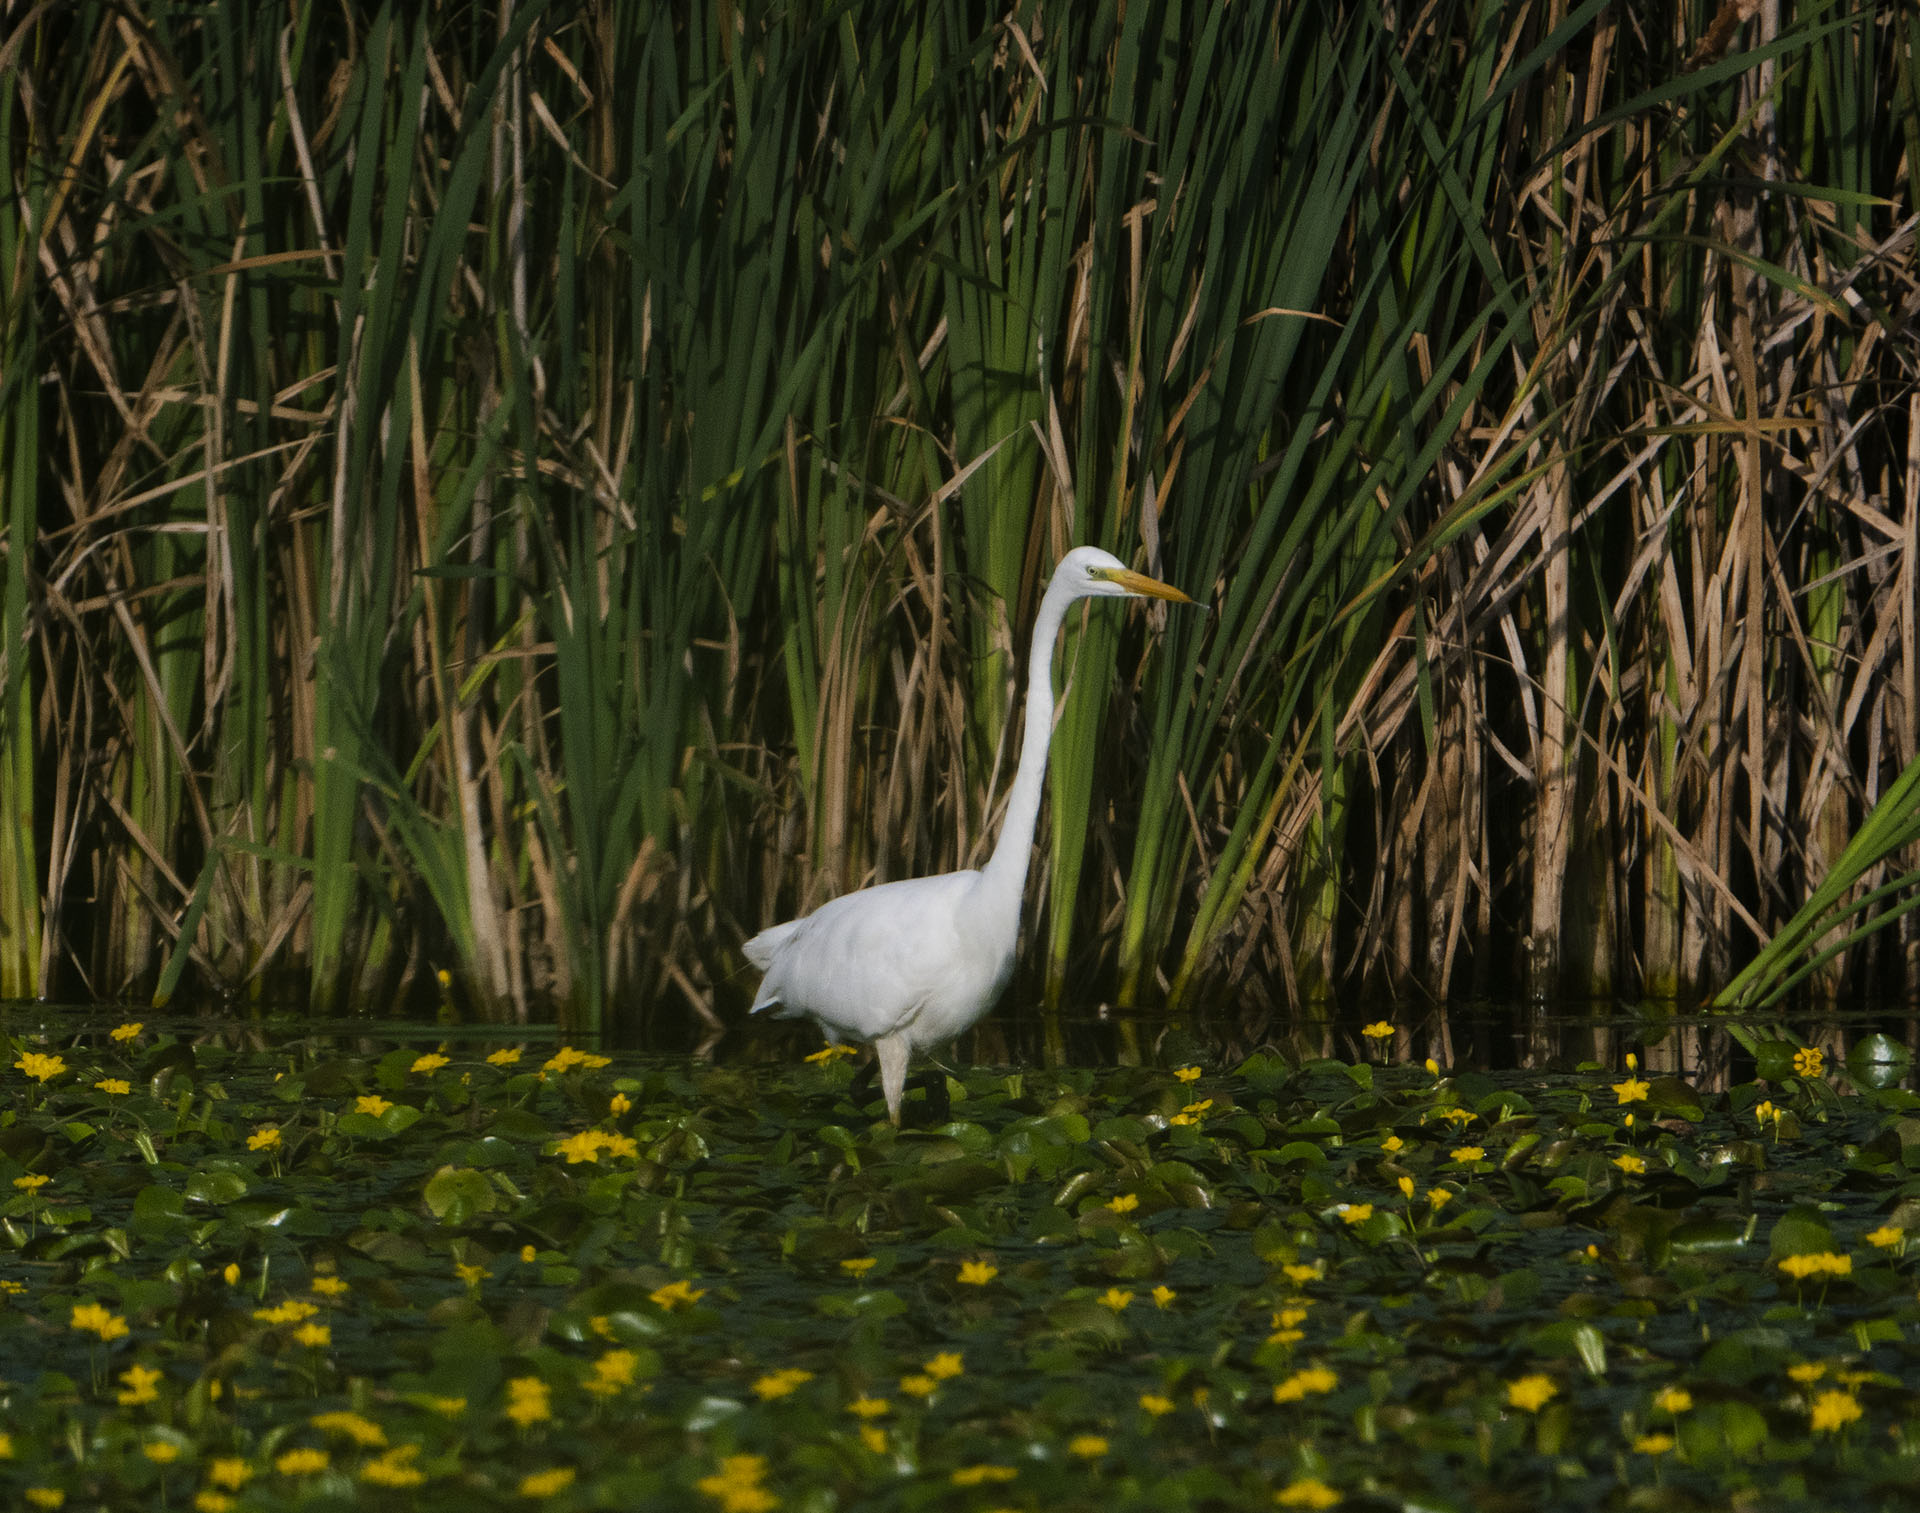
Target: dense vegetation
{"x":246,"y":1278}
{"x":539,"y":492}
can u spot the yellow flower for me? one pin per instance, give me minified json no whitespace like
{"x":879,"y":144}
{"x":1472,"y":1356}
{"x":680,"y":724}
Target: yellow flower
{"x":1633,"y":1090}
{"x":779,"y":1383}
{"x":314,"y":1336}
{"x":567,"y":1058}
{"x":1306,"y":1492}
{"x":1087,"y":1446}
{"x":266,"y":1138}
{"x":1355,"y":1213}
{"x":1632,"y":1165}
{"x":980,"y":1476}
{"x":1155,"y":1404}
{"x":1163,"y":1296}
{"x":1405,"y":1184}
{"x":394,"y":1469}
{"x":114,"y":1087}
{"x":290,"y":1312}
{"x":371,"y":1103}
{"x":1807,"y":1371}
{"x":301,"y":1462}
{"x":447,"y":1407}
{"x":1439,"y":1197}
{"x":1673,"y":1400}
{"x":828,"y":1053}
{"x":94,"y":1316}
{"x":547,"y":1483}
{"x":1764,"y":1113}
{"x":331,"y":1287}
{"x":1817,"y":1264}
{"x":505,"y":1056}
{"x":428,"y":1064}
{"x":1126,"y":1203}
{"x":1466,"y":1155}
{"x":125,"y":1032}
{"x":206,"y":1500}
{"x":160,"y":1451}
{"x":361,"y":1430}
{"x":869,"y":1407}
{"x":1393,"y":1144}
{"x":45,"y":1497}
{"x":1886,"y":1237}
{"x":1531,"y":1393}
{"x":528,"y":1401}
{"x":1654,"y":1444}
{"x":678,"y":1293}
{"x":619,"y":1104}
{"x":1834,"y":1411}
{"x":919,"y":1386}
{"x":41,"y":1068}
{"x":977,"y":1273}
{"x":858,"y":1266}
{"x":1809,"y":1062}
{"x":230,"y":1273}
{"x":1309,"y":1379}
{"x":1115,"y":1298}
{"x":143,"y":1385}
{"x":1300,"y":1272}
{"x":617,"y":1367}
{"x":32,"y":1182}
{"x":1188,"y":1073}
{"x":584,"y":1146}
{"x":874,"y":1438}
{"x":1378,"y":1030}
{"x":945,"y":1365}
{"x":736,"y":1485}
{"x":231,"y":1472}
{"x":1433,"y":1067}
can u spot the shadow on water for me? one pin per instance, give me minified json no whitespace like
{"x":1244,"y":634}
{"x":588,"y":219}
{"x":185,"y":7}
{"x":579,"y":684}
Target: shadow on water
{"x":1710,"y":1050}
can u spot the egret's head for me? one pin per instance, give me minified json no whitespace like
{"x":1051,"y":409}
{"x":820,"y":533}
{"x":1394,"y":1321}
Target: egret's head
{"x":1088,"y":570}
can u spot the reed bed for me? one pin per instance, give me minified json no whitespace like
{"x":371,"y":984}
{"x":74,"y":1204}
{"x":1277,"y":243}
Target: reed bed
{"x":533,"y":494}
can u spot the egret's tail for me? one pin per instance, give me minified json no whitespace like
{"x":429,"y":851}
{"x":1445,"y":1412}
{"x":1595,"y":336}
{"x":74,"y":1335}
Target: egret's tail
{"x":767,"y":945}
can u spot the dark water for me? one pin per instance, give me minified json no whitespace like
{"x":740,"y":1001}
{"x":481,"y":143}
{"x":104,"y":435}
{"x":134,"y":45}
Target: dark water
{"x":1710,"y":1050}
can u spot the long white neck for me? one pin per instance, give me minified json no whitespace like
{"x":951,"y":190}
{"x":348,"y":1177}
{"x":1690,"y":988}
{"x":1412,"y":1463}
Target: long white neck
{"x":1004,"y":878}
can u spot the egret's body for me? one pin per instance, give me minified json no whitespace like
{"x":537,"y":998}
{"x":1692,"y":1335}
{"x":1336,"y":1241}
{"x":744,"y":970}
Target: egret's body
{"x":910,"y":964}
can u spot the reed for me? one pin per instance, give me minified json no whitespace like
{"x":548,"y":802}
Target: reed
{"x":539,"y":492}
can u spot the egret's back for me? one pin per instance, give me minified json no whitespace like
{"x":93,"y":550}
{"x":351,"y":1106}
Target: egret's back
{"x":924,"y":958}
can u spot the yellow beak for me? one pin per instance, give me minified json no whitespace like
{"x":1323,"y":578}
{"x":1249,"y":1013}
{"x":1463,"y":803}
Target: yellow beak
{"x":1152,"y":588}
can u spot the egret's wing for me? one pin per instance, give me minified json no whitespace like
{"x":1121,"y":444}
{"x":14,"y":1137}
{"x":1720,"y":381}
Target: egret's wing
{"x":865,"y":963}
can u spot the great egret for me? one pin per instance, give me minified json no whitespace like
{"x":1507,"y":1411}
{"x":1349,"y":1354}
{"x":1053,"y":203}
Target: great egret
{"x":910,"y":964}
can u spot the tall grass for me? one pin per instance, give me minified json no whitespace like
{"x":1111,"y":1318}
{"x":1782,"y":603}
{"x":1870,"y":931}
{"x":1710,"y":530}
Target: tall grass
{"x":540,"y":492}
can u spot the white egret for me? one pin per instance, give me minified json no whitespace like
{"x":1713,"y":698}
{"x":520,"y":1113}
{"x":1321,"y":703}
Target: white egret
{"x":909,"y":964}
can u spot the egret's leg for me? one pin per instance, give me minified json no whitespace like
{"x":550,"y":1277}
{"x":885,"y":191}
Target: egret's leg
{"x":893,"y":1051}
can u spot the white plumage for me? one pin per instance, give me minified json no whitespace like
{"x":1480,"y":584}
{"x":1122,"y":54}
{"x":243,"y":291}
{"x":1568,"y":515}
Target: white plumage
{"x":910,"y":964}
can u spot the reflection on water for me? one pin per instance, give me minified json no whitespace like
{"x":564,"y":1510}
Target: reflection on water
{"x":1709,"y":1050}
